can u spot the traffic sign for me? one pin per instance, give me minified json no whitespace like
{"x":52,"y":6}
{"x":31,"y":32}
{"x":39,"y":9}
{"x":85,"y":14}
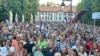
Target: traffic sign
{"x":96,"y":15}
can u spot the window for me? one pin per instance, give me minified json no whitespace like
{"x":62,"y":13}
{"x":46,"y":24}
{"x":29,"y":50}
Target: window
{"x":45,"y":18}
{"x":73,"y":14}
{"x":48,"y":18}
{"x":59,"y":18}
{"x":56,"y":19}
{"x":51,"y":19}
{"x":42,"y":13}
{"x":45,"y":13}
{"x":68,"y":14}
{"x":56,"y":13}
{"x":39,"y":12}
{"x":49,"y":13}
{"x":65,"y":13}
{"x":60,"y":13}
{"x":42,"y":18}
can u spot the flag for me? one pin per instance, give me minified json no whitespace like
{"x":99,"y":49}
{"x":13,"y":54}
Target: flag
{"x":23,"y":18}
{"x":16,"y":18}
{"x":41,"y":26}
{"x":11,"y":17}
{"x":65,"y":20}
{"x":79,"y":15}
{"x":7,"y":20}
{"x":31,"y":19}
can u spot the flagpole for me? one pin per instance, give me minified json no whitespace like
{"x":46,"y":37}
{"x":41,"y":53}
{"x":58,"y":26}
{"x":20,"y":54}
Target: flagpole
{"x":94,"y":27}
{"x":23,"y":18}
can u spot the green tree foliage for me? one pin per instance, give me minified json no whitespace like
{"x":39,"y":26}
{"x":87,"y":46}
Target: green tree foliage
{"x":86,"y":4}
{"x":96,"y":8}
{"x":2,"y":10}
{"x":20,"y":7}
{"x":91,"y":6}
{"x":32,"y":7}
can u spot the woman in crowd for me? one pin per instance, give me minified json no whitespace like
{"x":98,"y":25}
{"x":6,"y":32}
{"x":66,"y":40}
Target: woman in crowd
{"x":41,"y":41}
{"x":70,"y":52}
{"x":28,"y":46}
{"x":82,"y":51}
{"x":38,"y":52}
{"x":75,"y":53}
{"x":93,"y":48}
{"x":96,"y":53}
{"x":3,"y":49}
{"x":64,"y":52}
{"x":10,"y":48}
{"x":21,"y":51}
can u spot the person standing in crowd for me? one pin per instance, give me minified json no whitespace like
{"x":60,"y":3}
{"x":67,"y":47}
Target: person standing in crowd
{"x":98,"y":45}
{"x":72,"y":40}
{"x":57,"y":54}
{"x":28,"y":46}
{"x":3,"y":48}
{"x":21,"y":51}
{"x":18,"y":39}
{"x":60,"y":43}
{"x":82,"y":51}
{"x":10,"y":48}
{"x":75,"y":52}
{"x":77,"y":45}
{"x":42,"y":42}
{"x":15,"y":42}
{"x":51,"y":50}
{"x":6,"y":49}
{"x":5,"y":34}
{"x":38,"y":52}
{"x":64,"y":52}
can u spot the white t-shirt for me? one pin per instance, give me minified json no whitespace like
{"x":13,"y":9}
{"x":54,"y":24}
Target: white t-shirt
{"x":1,"y":54}
{"x":3,"y":50}
{"x":75,"y":47}
{"x":84,"y":54}
{"x":11,"y":49}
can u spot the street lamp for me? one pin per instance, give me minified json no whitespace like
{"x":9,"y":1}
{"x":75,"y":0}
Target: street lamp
{"x":63,"y":4}
{"x":70,"y":11}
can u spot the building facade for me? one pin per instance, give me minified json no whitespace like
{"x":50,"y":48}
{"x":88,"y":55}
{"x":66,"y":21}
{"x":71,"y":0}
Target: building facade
{"x":54,"y":14}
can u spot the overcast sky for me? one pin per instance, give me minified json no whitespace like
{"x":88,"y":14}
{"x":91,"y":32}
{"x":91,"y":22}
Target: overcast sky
{"x":75,"y":2}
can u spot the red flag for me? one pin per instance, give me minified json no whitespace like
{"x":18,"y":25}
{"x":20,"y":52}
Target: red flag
{"x":79,"y":15}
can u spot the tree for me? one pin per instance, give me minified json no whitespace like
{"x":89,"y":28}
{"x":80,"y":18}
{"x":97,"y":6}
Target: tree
{"x":91,"y":6}
{"x":31,"y":7}
{"x":52,"y":3}
{"x":85,"y":4}
{"x":2,"y":10}
{"x":96,"y":8}
{"x":20,"y":7}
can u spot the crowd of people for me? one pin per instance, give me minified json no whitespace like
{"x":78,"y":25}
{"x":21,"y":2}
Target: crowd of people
{"x":55,"y":39}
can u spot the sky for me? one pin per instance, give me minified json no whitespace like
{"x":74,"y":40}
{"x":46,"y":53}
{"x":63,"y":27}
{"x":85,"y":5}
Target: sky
{"x":75,"y":2}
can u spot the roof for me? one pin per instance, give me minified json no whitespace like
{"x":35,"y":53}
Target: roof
{"x":56,"y":9}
